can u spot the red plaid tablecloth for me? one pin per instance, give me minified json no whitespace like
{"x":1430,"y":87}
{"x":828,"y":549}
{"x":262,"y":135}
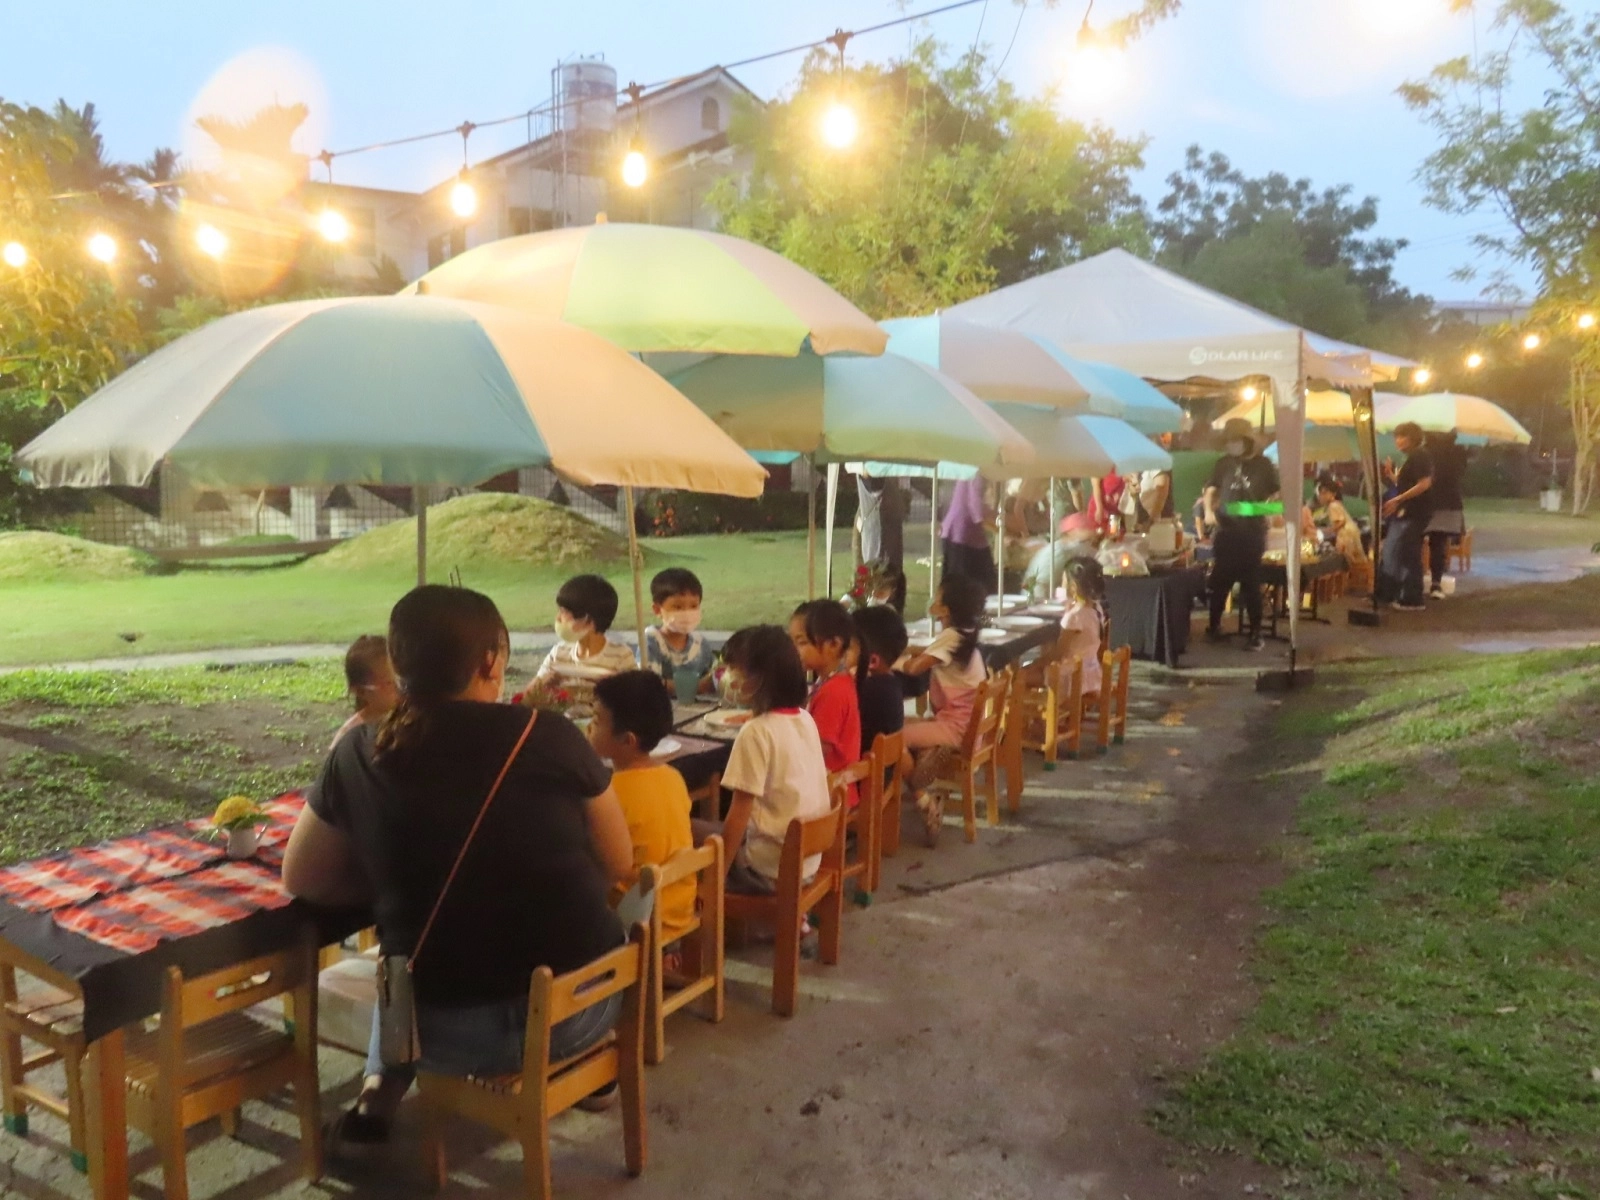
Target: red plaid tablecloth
{"x":136,"y":892}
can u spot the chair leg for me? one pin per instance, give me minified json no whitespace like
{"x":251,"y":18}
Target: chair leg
{"x":16,"y":1108}
{"x":830,"y":924}
{"x":630,"y":1082}
{"x":174,"y":1155}
{"x":889,"y":827}
{"x":993,"y":778}
{"x":1051,"y":730}
{"x":72,"y":1067}
{"x":655,"y":1020}
{"x":230,"y":1122}
{"x":786,"y":958}
{"x":536,"y":1161}
{"x":969,"y":804}
{"x":308,"y":1107}
{"x":434,"y":1161}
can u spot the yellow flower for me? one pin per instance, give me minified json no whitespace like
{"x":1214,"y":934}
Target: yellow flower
{"x":235,"y":810}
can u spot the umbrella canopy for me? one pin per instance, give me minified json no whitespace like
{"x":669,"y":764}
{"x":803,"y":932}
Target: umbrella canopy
{"x":1114,"y":392}
{"x":835,"y":409}
{"x":1472,"y":416}
{"x":390,"y":390}
{"x":994,"y":364}
{"x":1064,"y":446}
{"x":1322,"y":408}
{"x":657,"y":288}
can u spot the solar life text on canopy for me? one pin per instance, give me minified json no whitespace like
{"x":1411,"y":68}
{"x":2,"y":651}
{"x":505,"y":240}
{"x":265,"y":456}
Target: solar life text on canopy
{"x":1118,"y":309}
{"x":390,"y":390}
{"x":835,"y":409}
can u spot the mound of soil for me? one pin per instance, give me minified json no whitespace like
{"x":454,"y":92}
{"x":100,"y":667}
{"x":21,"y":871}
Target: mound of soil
{"x":32,"y":556}
{"x":485,"y":530}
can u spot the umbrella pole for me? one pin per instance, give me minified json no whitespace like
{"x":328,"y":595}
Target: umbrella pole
{"x":933,"y":536}
{"x":1000,"y":553}
{"x":811,"y":533}
{"x":419,"y":501}
{"x":1050,"y":586}
{"x":832,"y":512}
{"x":636,"y":564}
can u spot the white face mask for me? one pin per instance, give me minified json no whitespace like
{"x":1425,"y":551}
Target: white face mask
{"x":684,"y":620}
{"x":1236,"y":449}
{"x":569,"y":632}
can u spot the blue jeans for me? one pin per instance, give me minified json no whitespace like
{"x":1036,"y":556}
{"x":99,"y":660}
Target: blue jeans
{"x":1400,"y":568}
{"x":487,"y":1039}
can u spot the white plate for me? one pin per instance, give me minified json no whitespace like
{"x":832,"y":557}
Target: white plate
{"x":666,"y":747}
{"x":1019,"y":622}
{"x":581,"y":671}
{"x":727,"y":718}
{"x":993,"y":636}
{"x":1016,"y":601}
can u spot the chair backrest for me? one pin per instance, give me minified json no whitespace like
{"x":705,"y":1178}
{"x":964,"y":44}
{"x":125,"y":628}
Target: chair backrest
{"x":552,"y":999}
{"x":987,"y":708}
{"x":188,"y":1002}
{"x":821,"y":834}
{"x":691,"y":860}
{"x":888,"y":753}
{"x":857,"y":772}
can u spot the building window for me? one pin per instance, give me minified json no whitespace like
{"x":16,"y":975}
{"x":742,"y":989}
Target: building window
{"x":710,"y":115}
{"x":521,"y":219}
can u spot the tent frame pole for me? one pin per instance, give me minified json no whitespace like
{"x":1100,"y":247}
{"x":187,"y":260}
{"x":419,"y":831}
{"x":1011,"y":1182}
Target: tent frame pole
{"x":636,"y":566}
{"x":419,"y":501}
{"x":1050,"y":585}
{"x":831,"y":516}
{"x":933,"y":536}
{"x":811,"y":530}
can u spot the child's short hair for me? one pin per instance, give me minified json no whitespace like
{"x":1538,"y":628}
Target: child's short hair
{"x":638,"y":704}
{"x":766,"y":654}
{"x":882,"y":632}
{"x":361,"y":661}
{"x":589,"y":598}
{"x":675,"y":581}
{"x":826,"y":621}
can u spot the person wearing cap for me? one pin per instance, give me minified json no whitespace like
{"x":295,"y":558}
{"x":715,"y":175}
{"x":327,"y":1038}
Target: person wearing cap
{"x":1079,"y":539}
{"x":1406,"y":515}
{"x":1241,"y":480}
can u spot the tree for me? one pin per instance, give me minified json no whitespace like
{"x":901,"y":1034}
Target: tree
{"x":1538,"y":169}
{"x":955,"y":185}
{"x":1283,"y":246}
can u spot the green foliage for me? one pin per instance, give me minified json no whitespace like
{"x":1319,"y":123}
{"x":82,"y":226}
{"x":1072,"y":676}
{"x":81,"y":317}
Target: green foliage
{"x":1428,"y":1011}
{"x":1282,"y":246}
{"x":675,"y":514}
{"x":955,"y":185}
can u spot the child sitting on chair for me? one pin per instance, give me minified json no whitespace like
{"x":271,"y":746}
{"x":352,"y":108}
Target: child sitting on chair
{"x":1083,"y":626}
{"x":775,"y":772}
{"x":675,"y":644}
{"x":585,"y":607}
{"x":369,"y":679}
{"x":823,"y":633}
{"x":632,"y":714}
{"x":881,"y":638}
{"x":958,"y":671}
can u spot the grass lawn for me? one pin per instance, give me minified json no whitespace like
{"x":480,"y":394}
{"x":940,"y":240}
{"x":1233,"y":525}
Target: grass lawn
{"x":748,"y":578}
{"x":1506,"y":525}
{"x":1429,"y":1017}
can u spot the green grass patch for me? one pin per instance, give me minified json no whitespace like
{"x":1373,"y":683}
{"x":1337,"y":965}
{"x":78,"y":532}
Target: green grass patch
{"x":1429,"y":1020}
{"x":31,"y":556}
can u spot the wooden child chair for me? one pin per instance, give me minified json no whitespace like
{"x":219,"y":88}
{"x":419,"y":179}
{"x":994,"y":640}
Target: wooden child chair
{"x":520,"y":1106}
{"x":787,"y":907}
{"x":979,"y":753}
{"x":888,"y":774}
{"x":1033,"y":719}
{"x":208,"y":1055}
{"x":1110,"y":711}
{"x":54,"y":1020}
{"x":702,"y":945}
{"x":857,"y":868}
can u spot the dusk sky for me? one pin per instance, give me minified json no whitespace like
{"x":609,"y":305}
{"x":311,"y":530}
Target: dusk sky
{"x":1303,"y":86}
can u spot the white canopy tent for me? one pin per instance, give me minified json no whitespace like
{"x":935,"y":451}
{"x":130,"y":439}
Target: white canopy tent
{"x":1119,"y":309}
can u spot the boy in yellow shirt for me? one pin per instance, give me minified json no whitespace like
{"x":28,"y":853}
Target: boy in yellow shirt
{"x":632,"y":714}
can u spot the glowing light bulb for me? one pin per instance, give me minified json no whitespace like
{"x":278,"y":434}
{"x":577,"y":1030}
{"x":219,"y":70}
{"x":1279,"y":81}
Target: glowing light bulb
{"x":1097,"y":74}
{"x":14,"y":254}
{"x":1421,"y":376}
{"x":1532,"y":342}
{"x":1586,"y":321}
{"x":103,"y":248}
{"x":635,"y":168}
{"x":1474,"y":361}
{"x":211,"y":240}
{"x":463,"y":199}
{"x":839,"y":126}
{"x":332,"y":226}
{"x":1248,"y":392}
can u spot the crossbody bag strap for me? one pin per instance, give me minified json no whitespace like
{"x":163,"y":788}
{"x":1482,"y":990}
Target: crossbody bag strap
{"x":471,"y":833}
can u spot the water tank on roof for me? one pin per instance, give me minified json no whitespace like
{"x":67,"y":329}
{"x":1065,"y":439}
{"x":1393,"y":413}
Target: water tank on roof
{"x":587,"y":93}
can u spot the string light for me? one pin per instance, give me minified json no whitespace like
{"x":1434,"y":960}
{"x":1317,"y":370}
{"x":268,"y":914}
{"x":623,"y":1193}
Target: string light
{"x":15,"y":255}
{"x":211,"y":240}
{"x":635,"y":167}
{"x":1248,"y":392}
{"x":1474,"y":361}
{"x":1532,"y":342}
{"x":1586,"y":321}
{"x":332,"y":226}
{"x":839,"y":124}
{"x":1421,"y":376}
{"x":103,"y":248}
{"x":463,"y":196}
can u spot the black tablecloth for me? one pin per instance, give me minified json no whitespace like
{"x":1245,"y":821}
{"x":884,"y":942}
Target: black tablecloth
{"x":1150,"y":613}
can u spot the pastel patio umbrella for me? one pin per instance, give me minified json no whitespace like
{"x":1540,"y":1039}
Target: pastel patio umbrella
{"x":390,"y":390}
{"x":1114,"y":392}
{"x":660,"y":289}
{"x":838,"y":409}
{"x":994,"y":364}
{"x":1468,"y":416}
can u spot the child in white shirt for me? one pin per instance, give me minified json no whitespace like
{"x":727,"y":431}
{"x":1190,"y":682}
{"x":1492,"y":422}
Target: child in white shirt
{"x":585,"y":607}
{"x":776,"y":771}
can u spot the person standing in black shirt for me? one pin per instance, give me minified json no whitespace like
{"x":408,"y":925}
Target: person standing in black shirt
{"x":1448,"y":520}
{"x":1406,"y":515}
{"x":1241,"y":477}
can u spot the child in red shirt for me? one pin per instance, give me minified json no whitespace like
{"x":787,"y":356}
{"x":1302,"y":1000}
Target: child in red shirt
{"x":822,"y":632}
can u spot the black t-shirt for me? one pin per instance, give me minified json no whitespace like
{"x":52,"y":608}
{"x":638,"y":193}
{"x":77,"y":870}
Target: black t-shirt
{"x":883,"y":707}
{"x":1250,"y":480}
{"x":530,"y":892}
{"x":1417,"y":467}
